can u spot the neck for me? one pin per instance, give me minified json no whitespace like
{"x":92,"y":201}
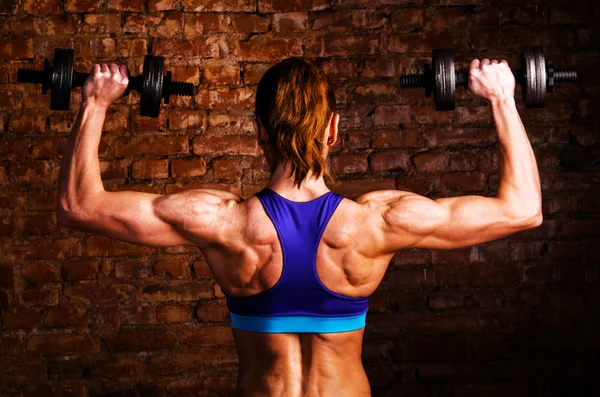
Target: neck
{"x":283,"y":183}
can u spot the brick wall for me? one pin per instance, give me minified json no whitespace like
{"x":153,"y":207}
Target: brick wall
{"x":82,"y":315}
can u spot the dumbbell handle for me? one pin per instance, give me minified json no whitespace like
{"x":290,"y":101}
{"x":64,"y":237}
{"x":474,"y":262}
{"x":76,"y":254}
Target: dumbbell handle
{"x":136,"y":83}
{"x":560,"y":76}
{"x":462,"y":78}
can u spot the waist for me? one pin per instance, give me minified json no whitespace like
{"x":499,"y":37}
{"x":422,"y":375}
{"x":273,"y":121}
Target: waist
{"x":298,"y":323}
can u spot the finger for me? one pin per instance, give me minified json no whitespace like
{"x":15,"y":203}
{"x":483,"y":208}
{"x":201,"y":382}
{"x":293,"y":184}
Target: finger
{"x":95,"y":69}
{"x":104,"y":68}
{"x":494,"y":62}
{"x":474,"y":64}
{"x":485,"y":62}
{"x":114,"y":69}
{"x":124,"y":70}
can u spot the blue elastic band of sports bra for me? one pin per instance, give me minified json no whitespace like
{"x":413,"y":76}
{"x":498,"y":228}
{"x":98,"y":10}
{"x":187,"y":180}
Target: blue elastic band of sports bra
{"x":298,"y":324}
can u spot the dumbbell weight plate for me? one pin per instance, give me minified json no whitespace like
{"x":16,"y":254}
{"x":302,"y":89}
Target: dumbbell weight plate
{"x":153,"y":74}
{"x":444,"y":75}
{"x":533,"y":65}
{"x":62,"y":79}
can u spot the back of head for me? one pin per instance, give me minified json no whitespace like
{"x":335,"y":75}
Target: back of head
{"x":295,"y":103}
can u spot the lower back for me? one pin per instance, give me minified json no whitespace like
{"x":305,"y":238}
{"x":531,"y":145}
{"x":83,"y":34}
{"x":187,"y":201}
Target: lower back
{"x":300,"y":365}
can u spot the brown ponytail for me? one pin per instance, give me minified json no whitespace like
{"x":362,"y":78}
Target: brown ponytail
{"x":295,"y":102}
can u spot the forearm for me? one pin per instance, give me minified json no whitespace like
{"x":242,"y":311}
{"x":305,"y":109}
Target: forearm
{"x":519,"y":188}
{"x":80,"y":169}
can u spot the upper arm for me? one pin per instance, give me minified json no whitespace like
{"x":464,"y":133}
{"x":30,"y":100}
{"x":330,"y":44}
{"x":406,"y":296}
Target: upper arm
{"x":191,"y":217}
{"x":410,"y":220}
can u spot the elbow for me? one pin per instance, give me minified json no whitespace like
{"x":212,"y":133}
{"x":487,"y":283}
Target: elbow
{"x":530,"y":221}
{"x":69,"y":217}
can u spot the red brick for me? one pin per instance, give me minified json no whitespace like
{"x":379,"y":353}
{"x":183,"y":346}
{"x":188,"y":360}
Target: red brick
{"x":154,"y":145}
{"x":431,"y":162}
{"x":221,"y":71}
{"x":384,"y":139}
{"x":292,"y":5}
{"x":10,"y":345}
{"x":39,"y":224}
{"x":102,"y":317}
{"x":103,"y":246}
{"x":408,"y":18}
{"x":374,"y":93}
{"x":174,"y":313}
{"x":441,"y":300}
{"x":188,"y":167}
{"x":201,"y":269}
{"x":74,"y":6}
{"x":40,"y":273}
{"x":127,"y":48}
{"x":29,"y":121}
{"x":117,"y":169}
{"x":89,"y":293}
{"x":101,"y":23}
{"x":131,"y":269}
{"x":140,"y":24}
{"x":113,"y":366}
{"x":170,"y":27}
{"x":176,"y":268}
{"x":465,"y":181}
{"x":186,"y":119}
{"x":225,"y":98}
{"x":236,"y":145}
{"x":250,"y":23}
{"x":139,"y":339}
{"x":357,"y":187}
{"x":200,"y":48}
{"x":349,"y":163}
{"x":580,"y":228}
{"x":16,"y":49}
{"x":22,"y":320}
{"x":210,"y":311}
{"x":79,"y":269}
{"x":266,"y":48}
{"x":441,"y":136}
{"x":97,"y":49}
{"x":197,"y":25}
{"x":219,"y":5}
{"x":208,"y":336}
{"x":526,"y":251}
{"x":332,"y":44}
{"x":228,"y":168}
{"x":391,"y":115}
{"x":24,"y":372}
{"x":9,"y":7}
{"x":63,"y":317}
{"x":356,"y":140}
{"x":48,"y":148}
{"x":290,"y":22}
{"x":188,"y":291}
{"x":382,"y":162}
{"x":43,"y":249}
{"x":456,"y":323}
{"x":53,"y":344}
{"x":138,"y":315}
{"x":445,"y":348}
{"x":428,"y":115}
{"x":150,"y":169}
{"x":161,"y":5}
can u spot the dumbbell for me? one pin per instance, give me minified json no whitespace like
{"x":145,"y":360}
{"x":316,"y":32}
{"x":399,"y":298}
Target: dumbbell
{"x":536,"y":78}
{"x":60,"y":78}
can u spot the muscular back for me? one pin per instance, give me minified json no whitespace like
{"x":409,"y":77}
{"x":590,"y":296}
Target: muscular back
{"x":299,"y":364}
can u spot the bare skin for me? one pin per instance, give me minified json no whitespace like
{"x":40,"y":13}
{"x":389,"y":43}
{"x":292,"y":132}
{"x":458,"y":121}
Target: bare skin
{"x":241,"y":245}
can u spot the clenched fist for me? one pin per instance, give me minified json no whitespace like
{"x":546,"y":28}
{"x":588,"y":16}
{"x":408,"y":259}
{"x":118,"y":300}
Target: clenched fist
{"x":106,"y":84}
{"x":491,"y":80}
